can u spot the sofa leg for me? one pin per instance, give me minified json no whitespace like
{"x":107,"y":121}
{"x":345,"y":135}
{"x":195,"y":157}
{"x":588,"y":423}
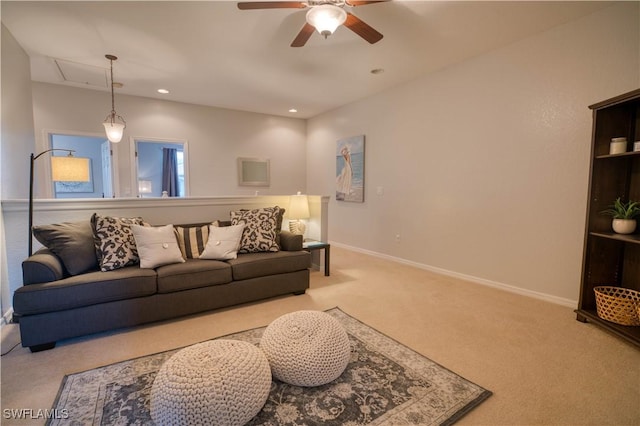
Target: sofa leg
{"x":42,"y":347}
{"x":298,"y":293}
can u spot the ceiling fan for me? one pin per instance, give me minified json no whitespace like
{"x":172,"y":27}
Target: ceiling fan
{"x":325,"y":16}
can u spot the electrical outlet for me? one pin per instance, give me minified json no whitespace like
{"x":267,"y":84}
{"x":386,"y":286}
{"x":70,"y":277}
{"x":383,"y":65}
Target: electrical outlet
{"x":397,"y":238}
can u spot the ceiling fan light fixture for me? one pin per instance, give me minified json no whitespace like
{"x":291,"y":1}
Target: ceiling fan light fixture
{"x":326,"y":18}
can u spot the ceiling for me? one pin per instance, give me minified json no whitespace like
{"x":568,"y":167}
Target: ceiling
{"x":211,"y":53}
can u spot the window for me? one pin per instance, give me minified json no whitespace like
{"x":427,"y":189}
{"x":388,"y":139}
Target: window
{"x":152,"y":175}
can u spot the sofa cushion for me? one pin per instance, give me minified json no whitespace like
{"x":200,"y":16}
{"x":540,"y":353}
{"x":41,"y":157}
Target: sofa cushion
{"x":72,"y":242}
{"x":114,"y":242}
{"x":192,"y":239}
{"x":156,"y":245}
{"x":194,"y":273}
{"x":252,"y":265}
{"x":83,"y":290}
{"x":261,"y":229}
{"x":223,"y":243}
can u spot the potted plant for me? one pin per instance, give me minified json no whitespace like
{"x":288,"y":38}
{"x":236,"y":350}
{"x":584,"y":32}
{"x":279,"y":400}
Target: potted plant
{"x":624,"y":215}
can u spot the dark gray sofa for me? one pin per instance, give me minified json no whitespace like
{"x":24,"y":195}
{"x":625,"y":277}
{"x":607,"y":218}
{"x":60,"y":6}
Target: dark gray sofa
{"x":52,"y":305}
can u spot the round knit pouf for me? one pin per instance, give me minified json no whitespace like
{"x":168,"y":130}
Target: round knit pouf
{"x":220,"y":382}
{"x":306,"y":348}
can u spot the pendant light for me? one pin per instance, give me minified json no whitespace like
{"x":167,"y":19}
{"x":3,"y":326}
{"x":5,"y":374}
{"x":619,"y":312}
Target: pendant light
{"x":114,"y":124}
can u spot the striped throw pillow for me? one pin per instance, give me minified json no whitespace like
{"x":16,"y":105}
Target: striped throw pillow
{"x":192,"y":239}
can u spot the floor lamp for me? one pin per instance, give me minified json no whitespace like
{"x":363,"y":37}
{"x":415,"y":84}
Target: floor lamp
{"x":63,"y":169}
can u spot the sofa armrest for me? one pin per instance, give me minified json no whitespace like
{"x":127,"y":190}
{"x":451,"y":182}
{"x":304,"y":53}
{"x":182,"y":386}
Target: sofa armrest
{"x":42,"y":267}
{"x":290,"y":241}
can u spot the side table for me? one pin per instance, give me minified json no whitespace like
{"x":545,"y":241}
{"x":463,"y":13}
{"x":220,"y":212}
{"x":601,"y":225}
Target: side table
{"x":311,"y":245}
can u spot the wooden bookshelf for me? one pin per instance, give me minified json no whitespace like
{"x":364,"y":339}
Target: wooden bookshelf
{"x":611,"y":259}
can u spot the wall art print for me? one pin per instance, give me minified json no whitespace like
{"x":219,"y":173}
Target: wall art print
{"x":77,"y":186}
{"x":350,"y":169}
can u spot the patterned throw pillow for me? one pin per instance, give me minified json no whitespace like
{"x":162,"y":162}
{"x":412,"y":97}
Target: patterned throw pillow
{"x":261,"y":229}
{"x":192,"y":240}
{"x":114,"y":241}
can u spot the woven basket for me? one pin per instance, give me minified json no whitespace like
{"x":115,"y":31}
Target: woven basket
{"x":618,"y":304}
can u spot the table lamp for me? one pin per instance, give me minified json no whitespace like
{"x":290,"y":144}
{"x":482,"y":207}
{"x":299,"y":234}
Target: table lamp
{"x":298,"y":210}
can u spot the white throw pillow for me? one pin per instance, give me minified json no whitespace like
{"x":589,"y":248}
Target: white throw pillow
{"x":223,"y":243}
{"x":157,"y":245}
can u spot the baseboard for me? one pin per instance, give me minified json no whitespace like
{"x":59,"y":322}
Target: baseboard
{"x":7,"y":318}
{"x":501,"y":286}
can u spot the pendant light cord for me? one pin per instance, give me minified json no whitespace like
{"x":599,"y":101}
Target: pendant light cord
{"x":113,"y":116}
{"x":113,"y":102}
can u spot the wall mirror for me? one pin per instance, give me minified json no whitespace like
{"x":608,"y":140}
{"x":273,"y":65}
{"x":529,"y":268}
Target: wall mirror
{"x":253,"y":171}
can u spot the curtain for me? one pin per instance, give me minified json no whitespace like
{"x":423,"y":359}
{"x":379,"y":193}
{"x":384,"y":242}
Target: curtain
{"x":170,"y":171}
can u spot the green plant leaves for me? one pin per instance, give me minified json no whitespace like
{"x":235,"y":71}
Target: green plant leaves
{"x":622,"y":210}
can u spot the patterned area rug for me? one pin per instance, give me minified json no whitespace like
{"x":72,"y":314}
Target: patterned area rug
{"x":385,"y":383}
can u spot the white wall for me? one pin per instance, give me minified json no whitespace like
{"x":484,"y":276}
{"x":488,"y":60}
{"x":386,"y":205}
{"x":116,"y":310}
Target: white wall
{"x":215,"y":137}
{"x":16,"y":138}
{"x":484,"y":165}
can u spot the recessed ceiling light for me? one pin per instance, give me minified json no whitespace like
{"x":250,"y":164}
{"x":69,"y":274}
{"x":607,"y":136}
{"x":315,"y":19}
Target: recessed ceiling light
{"x":377,"y":71}
{"x":293,"y":110}
{"x":163,"y":91}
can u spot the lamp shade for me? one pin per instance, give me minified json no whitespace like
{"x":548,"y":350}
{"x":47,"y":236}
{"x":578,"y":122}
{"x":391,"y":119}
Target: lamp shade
{"x":326,"y":18}
{"x":299,"y":206}
{"x":114,"y":130}
{"x":70,"y":169}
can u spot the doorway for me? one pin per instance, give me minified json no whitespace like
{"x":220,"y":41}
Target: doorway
{"x":102,"y":183}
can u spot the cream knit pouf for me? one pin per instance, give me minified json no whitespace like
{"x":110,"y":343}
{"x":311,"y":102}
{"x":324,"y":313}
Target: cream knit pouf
{"x":219,"y":382}
{"x":306,"y":348}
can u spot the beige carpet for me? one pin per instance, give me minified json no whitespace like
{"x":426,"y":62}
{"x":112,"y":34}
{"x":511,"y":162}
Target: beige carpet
{"x":542,"y":365}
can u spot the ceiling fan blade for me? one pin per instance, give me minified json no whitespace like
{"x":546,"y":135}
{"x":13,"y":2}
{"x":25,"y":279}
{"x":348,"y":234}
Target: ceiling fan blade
{"x":249,"y":5}
{"x":362,"y":2}
{"x":303,"y":35}
{"x":359,"y":27}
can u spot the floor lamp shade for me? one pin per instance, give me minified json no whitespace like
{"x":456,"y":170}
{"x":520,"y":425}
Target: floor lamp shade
{"x":70,"y":169}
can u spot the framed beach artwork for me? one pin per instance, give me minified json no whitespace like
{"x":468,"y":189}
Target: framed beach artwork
{"x":350,"y":169}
